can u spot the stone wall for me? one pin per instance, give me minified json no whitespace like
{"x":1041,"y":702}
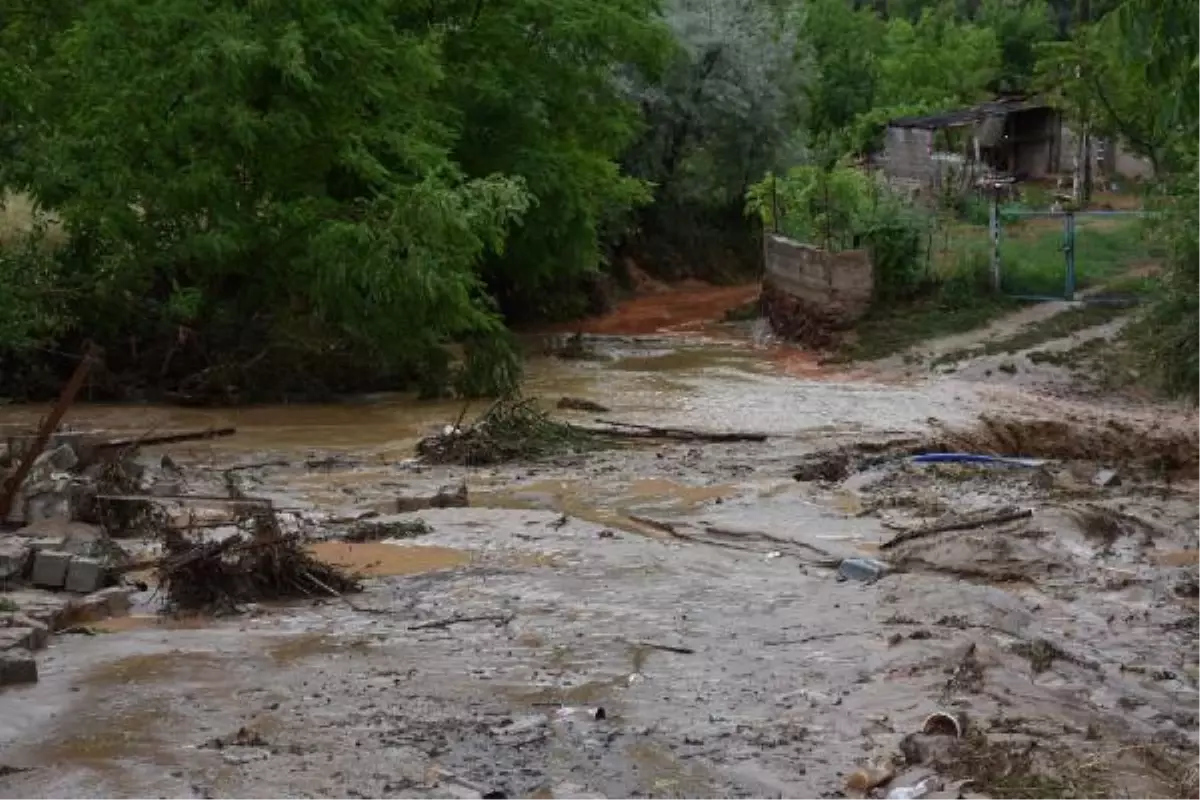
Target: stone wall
{"x":810,"y":288}
{"x":907,"y":154}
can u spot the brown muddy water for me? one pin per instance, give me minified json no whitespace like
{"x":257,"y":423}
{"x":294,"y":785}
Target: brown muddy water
{"x":729,"y":660}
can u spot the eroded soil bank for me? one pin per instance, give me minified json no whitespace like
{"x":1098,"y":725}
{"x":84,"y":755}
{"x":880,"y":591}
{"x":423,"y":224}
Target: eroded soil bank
{"x":691,"y":591}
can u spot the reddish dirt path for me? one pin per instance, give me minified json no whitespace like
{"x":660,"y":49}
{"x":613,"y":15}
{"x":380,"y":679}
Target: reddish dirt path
{"x":688,"y":306}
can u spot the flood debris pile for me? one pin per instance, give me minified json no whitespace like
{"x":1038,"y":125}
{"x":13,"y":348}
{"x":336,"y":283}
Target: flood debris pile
{"x":512,"y":428}
{"x":197,"y":574}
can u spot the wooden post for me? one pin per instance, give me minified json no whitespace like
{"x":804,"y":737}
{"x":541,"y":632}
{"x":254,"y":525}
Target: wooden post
{"x":8,"y":491}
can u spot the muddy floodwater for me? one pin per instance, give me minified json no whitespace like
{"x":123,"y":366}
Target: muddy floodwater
{"x":689,"y":590}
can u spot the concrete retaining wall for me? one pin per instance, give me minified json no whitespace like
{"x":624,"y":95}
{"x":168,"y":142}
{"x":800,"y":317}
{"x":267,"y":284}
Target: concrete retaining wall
{"x":837,"y":287}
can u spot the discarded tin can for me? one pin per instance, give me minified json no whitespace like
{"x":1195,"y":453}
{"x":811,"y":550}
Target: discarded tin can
{"x":945,"y":723}
{"x":917,"y":790}
{"x":862,"y":569}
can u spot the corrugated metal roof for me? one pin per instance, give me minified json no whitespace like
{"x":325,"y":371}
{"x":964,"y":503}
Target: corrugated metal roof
{"x":967,"y":116}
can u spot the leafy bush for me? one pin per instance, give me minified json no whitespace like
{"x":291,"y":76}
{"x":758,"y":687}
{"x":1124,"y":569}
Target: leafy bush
{"x":1169,"y":333}
{"x":31,"y":302}
{"x":844,"y":207}
{"x":895,"y":235}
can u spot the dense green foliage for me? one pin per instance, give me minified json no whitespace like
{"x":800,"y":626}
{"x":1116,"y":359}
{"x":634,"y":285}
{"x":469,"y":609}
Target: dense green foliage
{"x":243,"y":185}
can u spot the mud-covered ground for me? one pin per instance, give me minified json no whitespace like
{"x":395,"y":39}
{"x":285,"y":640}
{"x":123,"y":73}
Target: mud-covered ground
{"x":689,"y":590}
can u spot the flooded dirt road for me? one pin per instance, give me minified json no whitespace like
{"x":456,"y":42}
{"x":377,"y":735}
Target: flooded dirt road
{"x":690,"y":591}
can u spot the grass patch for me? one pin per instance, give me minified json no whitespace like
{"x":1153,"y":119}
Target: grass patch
{"x":1033,"y":262}
{"x":886,"y":331}
{"x":8,"y":606}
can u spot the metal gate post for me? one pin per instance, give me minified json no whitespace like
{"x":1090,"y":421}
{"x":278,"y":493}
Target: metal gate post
{"x":1069,"y":248}
{"x":994,"y":231}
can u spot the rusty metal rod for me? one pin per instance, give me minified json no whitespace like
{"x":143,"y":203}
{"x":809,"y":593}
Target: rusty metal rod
{"x":11,"y":486}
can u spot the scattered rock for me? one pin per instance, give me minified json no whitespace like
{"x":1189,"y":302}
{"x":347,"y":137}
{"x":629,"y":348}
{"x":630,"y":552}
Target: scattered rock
{"x":17,"y":668}
{"x":1106,"y":478}
{"x":60,"y":459}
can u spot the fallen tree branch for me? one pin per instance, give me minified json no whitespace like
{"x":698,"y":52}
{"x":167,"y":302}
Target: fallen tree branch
{"x":667,"y":648}
{"x":731,"y":540}
{"x":167,"y":438}
{"x":997,"y":518}
{"x":499,"y":619}
{"x":683,"y":434}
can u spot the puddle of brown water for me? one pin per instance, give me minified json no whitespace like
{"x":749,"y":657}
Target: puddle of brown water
{"x":666,"y":776}
{"x":693,"y":359}
{"x":1177,"y":558}
{"x":108,"y":737}
{"x":151,"y":667}
{"x":140,"y":622}
{"x":380,"y":558}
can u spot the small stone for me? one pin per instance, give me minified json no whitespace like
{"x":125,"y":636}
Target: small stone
{"x":1107,"y":477}
{"x":50,"y":568}
{"x":85,"y":575}
{"x":17,"y":668}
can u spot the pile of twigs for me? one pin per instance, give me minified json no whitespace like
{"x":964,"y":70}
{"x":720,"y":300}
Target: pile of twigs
{"x":218,"y":577}
{"x":512,"y":428}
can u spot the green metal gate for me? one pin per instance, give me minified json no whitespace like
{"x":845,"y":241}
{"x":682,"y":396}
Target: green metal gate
{"x":1051,"y":255}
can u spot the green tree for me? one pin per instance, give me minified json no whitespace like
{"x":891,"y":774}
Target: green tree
{"x":537,"y":94}
{"x":845,"y":46}
{"x":1020,"y":26}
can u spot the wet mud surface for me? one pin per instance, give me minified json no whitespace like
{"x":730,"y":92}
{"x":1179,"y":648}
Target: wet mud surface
{"x":691,"y":591}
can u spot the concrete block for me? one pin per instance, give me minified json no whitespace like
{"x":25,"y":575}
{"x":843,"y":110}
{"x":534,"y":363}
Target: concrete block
{"x":51,"y":502}
{"x":50,"y":568}
{"x":20,"y":631}
{"x":44,"y":543}
{"x":15,"y":558}
{"x":84,"y":575}
{"x":17,"y":668}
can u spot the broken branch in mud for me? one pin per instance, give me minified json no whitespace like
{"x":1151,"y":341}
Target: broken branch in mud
{"x":999,"y":517}
{"x":667,"y":648}
{"x":220,"y":576}
{"x":167,"y":438}
{"x":733,"y":540}
{"x":500,"y":620}
{"x":637,"y":431}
